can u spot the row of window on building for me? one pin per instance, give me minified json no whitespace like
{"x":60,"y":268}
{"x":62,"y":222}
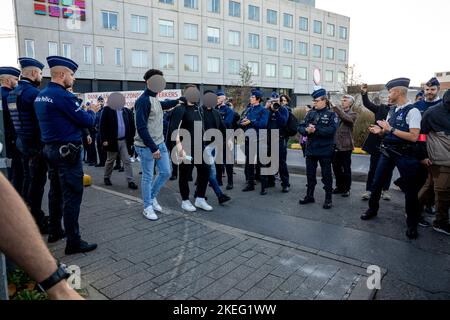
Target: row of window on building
{"x":167,"y":61}
{"x":139,"y":24}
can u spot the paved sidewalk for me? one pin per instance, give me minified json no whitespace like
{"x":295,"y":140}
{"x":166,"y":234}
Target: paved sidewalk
{"x":183,"y":256}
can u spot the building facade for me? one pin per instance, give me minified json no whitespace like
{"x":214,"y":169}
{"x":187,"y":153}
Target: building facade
{"x":192,"y":41}
{"x":444,"y":79}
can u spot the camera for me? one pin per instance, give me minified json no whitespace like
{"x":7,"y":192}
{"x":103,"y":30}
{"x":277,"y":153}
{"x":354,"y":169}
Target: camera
{"x":276,"y":106}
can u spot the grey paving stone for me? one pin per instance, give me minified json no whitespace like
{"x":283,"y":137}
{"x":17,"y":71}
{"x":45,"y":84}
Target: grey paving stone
{"x":223,"y":270}
{"x":132,"y":270}
{"x":255,"y":293}
{"x":208,"y":255}
{"x":232,"y":294}
{"x":216,"y":289}
{"x":270,"y":283}
{"x":292,"y":283}
{"x":257,"y":261}
{"x":138,"y":291}
{"x":108,"y":270}
{"x":226,"y":256}
{"x":254,"y":278}
{"x":126,"y":284}
{"x":192,"y":289}
{"x":242,"y":272}
{"x":245,"y":245}
{"x":107,"y":281}
{"x":168,"y":271}
{"x":249,"y":254}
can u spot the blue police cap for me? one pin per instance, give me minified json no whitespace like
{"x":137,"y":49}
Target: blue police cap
{"x":274,"y":95}
{"x":433,"y":82}
{"x":11,"y":71}
{"x":319,"y":93}
{"x":30,"y":62}
{"x":55,"y":61}
{"x":257,"y":93}
{"x":220,"y":93}
{"x":420,"y":93}
{"x":399,"y":82}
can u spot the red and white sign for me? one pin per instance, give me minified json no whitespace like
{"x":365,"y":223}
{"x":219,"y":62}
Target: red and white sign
{"x":132,"y":96}
{"x":317,"y":76}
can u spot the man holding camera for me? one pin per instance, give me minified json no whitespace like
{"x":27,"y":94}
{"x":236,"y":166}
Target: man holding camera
{"x":320,"y":127}
{"x":278,"y":118}
{"x":61,"y":119}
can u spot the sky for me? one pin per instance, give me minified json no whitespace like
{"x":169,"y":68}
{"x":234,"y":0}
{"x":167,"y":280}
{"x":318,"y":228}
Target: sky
{"x":388,"y":38}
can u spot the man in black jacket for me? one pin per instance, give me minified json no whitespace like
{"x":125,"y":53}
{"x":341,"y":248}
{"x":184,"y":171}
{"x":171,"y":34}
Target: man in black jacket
{"x":372,"y":144}
{"x":117,"y":130}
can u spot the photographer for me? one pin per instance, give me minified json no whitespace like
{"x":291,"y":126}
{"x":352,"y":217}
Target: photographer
{"x":278,"y":117}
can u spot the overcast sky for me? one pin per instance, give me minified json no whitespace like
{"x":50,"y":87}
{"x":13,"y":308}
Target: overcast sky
{"x":388,"y":38}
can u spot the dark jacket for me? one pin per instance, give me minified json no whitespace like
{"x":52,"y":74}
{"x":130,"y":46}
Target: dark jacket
{"x":381,"y":111}
{"x":344,"y":134}
{"x":109,"y":127}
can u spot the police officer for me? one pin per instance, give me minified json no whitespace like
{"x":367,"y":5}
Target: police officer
{"x":320,"y":127}
{"x":29,"y":145}
{"x":256,"y":118}
{"x":401,"y":131}
{"x":8,"y":81}
{"x":227,"y":115}
{"x":61,"y":119}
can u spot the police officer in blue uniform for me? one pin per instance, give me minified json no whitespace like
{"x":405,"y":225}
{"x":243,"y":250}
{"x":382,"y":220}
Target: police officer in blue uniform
{"x":256,"y":117}
{"x":400,"y":131}
{"x":8,"y":81}
{"x":29,"y":145}
{"x":320,"y":127}
{"x":61,"y":120}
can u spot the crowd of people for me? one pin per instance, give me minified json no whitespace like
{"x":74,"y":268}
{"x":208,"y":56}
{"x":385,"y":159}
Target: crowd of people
{"x":45,"y":131}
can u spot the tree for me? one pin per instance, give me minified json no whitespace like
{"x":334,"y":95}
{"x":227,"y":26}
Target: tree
{"x":241,"y":91}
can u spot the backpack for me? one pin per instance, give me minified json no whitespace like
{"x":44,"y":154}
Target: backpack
{"x":292,"y":125}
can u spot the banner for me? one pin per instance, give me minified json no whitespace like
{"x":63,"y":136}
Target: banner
{"x":131,"y":96}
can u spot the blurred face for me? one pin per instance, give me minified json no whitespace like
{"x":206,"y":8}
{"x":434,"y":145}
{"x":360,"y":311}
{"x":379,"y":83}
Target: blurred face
{"x":394,"y":95}
{"x":69,"y":78}
{"x":319,"y":103}
{"x":283,"y":101}
{"x":221,"y":100}
{"x":431,"y":92}
{"x":253,"y":100}
{"x":38,"y":76}
{"x":346,"y":103}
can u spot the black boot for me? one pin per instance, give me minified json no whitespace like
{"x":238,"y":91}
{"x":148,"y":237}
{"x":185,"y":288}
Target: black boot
{"x":250,"y":187}
{"x":328,"y":201}
{"x":309,"y":197}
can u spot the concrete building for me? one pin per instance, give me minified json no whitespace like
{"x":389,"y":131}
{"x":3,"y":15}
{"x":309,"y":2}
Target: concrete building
{"x":444,"y":79}
{"x":191,"y":41}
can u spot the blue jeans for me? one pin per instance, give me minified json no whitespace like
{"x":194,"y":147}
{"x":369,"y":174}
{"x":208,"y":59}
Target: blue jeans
{"x":212,"y":173}
{"x":150,"y":188}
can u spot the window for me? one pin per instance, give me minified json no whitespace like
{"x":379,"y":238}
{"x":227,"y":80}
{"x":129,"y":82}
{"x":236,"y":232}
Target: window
{"x":139,"y":59}
{"x":253,"y":41}
{"x":190,"y":31}
{"x":234,"y":9}
{"x":87,"y":54}
{"x":440,"y":74}
{"x":166,"y":1}
{"x":213,"y":35}
{"x":341,"y":77}
{"x":52,"y":48}
{"x":167,"y":60}
{"x":234,"y":66}
{"x":271,"y":16}
{"x":331,"y":30}
{"x":193,"y":4}
{"x":213,"y":65}
{"x":317,"y":27}
{"x":342,"y":55}
{"x":166,"y":28}
{"x":214,"y":6}
{"x":234,"y":38}
{"x":118,"y":56}
{"x":288,"y":20}
{"x":303,"y":24}
{"x":109,"y":20}
{"x":287,"y":72}
{"x":271,"y":70}
{"x":288,"y":46}
{"x":343,"y":33}
{"x":139,"y":24}
{"x":99,"y":56}
{"x":190,"y":63}
{"x":67,"y":50}
{"x":329,"y":76}
{"x":271,"y":43}
{"x":329,"y":53}
{"x":302,"y":73}
{"x":254,"y":67}
{"x":317,"y":51}
{"x":29,"y":48}
{"x":303,"y":48}
{"x":253,"y":13}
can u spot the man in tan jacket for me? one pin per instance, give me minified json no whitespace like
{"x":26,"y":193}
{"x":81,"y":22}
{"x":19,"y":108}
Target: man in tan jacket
{"x":342,"y":160}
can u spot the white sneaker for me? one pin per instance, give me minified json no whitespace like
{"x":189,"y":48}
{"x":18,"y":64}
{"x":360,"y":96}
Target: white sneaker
{"x":187,"y":206}
{"x":132,"y":159}
{"x":366,"y":195}
{"x":150,"y":214}
{"x":156,"y":206}
{"x":385,"y":195}
{"x":138,"y":159}
{"x":202,"y":204}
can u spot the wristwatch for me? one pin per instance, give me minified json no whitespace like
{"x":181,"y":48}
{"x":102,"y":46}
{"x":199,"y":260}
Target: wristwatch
{"x":60,"y":274}
{"x":392,"y":130}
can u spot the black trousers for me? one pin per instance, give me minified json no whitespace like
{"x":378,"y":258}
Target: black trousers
{"x":185,"y":172}
{"x":342,"y":168}
{"x":252,"y":167}
{"x":374,"y":158}
{"x":282,"y":167}
{"x":101,"y":151}
{"x":325,"y":167}
{"x":91,"y":150}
